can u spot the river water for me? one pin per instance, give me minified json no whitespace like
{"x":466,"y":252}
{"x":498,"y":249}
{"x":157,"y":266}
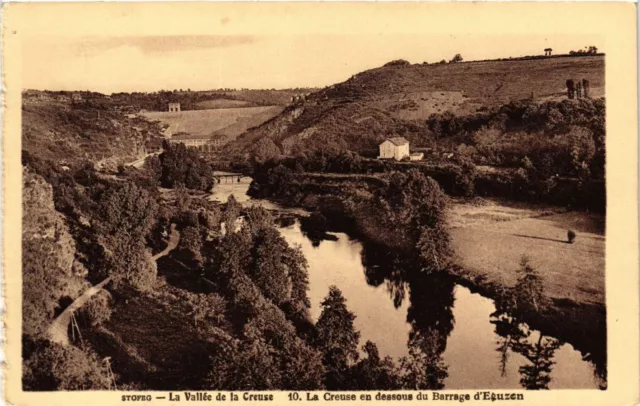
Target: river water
{"x":474,"y":346}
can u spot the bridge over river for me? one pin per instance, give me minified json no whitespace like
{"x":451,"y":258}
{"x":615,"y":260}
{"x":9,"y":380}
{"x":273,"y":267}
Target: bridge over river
{"x":228,"y":177}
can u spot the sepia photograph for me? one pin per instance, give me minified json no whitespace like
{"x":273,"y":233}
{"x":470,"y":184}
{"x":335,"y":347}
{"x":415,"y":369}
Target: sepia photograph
{"x":314,"y":211}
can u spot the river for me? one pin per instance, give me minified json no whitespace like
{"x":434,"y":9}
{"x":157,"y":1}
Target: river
{"x":473,"y":346}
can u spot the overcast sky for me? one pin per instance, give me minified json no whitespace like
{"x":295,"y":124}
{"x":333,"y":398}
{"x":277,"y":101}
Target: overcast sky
{"x":281,"y":54}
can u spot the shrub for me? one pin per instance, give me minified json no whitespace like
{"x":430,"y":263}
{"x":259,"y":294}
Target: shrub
{"x":54,"y":367}
{"x":130,"y":265}
{"x":97,"y":310}
{"x":457,"y":58}
{"x":398,"y":62}
{"x":571,"y":236}
{"x":127,"y":210}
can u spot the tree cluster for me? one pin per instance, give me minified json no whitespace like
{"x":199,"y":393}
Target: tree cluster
{"x":179,"y":165}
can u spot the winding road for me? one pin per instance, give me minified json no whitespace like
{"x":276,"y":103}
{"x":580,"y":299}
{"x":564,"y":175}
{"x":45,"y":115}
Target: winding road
{"x":58,"y":329}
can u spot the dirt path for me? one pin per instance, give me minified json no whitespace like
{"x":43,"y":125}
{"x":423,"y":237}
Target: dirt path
{"x":174,"y":239}
{"x":58,"y":330}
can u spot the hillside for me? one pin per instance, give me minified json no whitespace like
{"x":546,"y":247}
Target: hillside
{"x":208,"y":99}
{"x":397,"y":99}
{"x":67,"y":133}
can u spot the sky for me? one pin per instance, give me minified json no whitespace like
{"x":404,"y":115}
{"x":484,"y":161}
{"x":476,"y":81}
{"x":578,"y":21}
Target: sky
{"x":228,"y":51}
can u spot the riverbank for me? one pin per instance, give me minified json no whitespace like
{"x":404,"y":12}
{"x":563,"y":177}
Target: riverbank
{"x":488,"y":240}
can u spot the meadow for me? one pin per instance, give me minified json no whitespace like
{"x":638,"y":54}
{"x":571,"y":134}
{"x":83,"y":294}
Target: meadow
{"x":490,"y":240}
{"x":207,"y":122}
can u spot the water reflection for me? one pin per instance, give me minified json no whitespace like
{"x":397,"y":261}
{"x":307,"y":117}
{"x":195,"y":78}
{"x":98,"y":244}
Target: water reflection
{"x":516,"y":336}
{"x":430,"y":313}
{"x":442,"y":335}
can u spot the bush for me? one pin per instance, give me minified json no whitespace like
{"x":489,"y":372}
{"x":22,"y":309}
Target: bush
{"x":457,"y":58}
{"x":97,"y":310}
{"x":127,"y":210}
{"x":398,"y":62}
{"x":130,"y":266}
{"x":54,"y":367}
{"x":571,"y":236}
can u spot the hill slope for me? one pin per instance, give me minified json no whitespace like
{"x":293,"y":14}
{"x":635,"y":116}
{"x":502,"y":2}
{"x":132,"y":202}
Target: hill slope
{"x":67,"y":133}
{"x":396,"y":100}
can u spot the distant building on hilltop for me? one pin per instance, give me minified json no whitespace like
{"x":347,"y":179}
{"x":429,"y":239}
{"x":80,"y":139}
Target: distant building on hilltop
{"x":77,"y":97}
{"x":204,"y":143}
{"x":174,"y":107}
{"x":394,"y":148}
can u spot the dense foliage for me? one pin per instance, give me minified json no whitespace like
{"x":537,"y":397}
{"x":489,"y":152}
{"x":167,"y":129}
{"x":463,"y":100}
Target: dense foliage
{"x":550,"y":152}
{"x":179,"y":165}
{"x":566,"y":136}
{"x":402,"y":209}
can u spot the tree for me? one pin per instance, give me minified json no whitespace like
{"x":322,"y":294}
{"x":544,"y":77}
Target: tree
{"x":127,"y":211}
{"x":153,"y":166}
{"x":190,"y":246}
{"x":423,"y":368}
{"x":265,"y":149}
{"x":457,"y":58}
{"x":270,"y":272}
{"x":97,"y":310}
{"x":412,"y":207}
{"x":372,"y":372}
{"x":206,"y":308}
{"x":516,"y":337}
{"x":184,"y":165}
{"x":54,"y":367}
{"x":529,"y":288}
{"x":257,"y":218}
{"x":337,"y":338}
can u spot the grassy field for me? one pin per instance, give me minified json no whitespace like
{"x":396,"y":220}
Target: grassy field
{"x":489,"y":239}
{"x":206,"y":122}
{"x":222,"y":104}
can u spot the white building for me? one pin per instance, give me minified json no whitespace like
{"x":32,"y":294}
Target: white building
{"x":416,"y":156}
{"x":394,"y":148}
{"x":174,"y":107}
{"x":204,"y":143}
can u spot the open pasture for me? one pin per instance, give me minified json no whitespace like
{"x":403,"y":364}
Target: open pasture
{"x":206,"y":122}
{"x":489,"y":240}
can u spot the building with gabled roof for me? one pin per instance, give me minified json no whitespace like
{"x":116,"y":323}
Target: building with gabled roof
{"x":394,"y":148}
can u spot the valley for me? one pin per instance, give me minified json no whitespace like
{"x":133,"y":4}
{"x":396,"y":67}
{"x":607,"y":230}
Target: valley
{"x":489,"y":246}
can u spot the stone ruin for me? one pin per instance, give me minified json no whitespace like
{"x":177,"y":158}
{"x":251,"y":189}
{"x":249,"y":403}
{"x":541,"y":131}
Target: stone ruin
{"x":578,"y":89}
{"x":299,"y":98}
